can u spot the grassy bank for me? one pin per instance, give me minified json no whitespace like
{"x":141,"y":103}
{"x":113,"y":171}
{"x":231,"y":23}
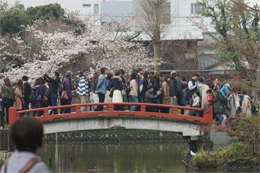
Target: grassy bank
{"x":235,"y":155}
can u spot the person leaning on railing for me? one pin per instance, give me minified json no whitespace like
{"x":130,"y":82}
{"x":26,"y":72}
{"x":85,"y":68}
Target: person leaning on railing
{"x":27,"y":136}
{"x":151,"y":98}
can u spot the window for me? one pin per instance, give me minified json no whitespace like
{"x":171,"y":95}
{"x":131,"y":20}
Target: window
{"x":166,"y":13}
{"x":194,"y":8}
{"x":96,"y":9}
{"x":86,"y":5}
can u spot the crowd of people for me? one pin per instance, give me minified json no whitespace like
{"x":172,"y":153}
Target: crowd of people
{"x":171,"y":89}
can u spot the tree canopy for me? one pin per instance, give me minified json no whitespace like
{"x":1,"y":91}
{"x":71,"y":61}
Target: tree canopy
{"x":14,"y":17}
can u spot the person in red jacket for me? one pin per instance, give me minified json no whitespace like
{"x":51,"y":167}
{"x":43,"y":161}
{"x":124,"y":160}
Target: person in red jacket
{"x":209,"y":101}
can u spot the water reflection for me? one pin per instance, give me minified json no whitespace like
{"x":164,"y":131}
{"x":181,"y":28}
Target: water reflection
{"x":134,"y":157}
{"x":144,"y":157}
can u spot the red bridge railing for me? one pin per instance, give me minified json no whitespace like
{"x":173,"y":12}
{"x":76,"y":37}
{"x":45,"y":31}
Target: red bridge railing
{"x":207,"y":117}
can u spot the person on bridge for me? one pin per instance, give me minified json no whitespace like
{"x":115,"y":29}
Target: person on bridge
{"x":139,"y":81}
{"x":19,"y":95}
{"x":101,"y":88}
{"x":145,"y":83}
{"x":54,"y":86}
{"x":27,"y":136}
{"x":117,"y":86}
{"x":133,"y":91}
{"x":109,"y":79}
{"x":8,"y":97}
{"x":173,"y":90}
{"x":166,"y":93}
{"x":151,"y":98}
{"x":67,"y":86}
{"x":192,"y":86}
{"x":217,"y":106}
{"x":27,"y":92}
{"x":156,"y":86}
{"x":37,"y":88}
{"x":246,"y":105}
{"x":82,"y":90}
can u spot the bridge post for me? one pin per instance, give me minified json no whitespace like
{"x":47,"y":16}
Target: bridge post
{"x":110,"y":109}
{"x":12,"y":115}
{"x":78,"y":110}
{"x":208,"y":117}
{"x":174,"y":111}
{"x":46,"y":112}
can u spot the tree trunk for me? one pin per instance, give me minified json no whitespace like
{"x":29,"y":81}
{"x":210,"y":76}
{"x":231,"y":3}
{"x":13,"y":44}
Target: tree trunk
{"x":157,"y":55}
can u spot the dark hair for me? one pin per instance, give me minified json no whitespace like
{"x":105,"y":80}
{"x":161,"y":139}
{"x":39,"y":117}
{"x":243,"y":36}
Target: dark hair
{"x":109,"y":76}
{"x":185,"y":85}
{"x":146,"y":75}
{"x":80,"y":73}
{"x":167,"y":77}
{"x":102,"y":70}
{"x":211,"y":86}
{"x":20,"y":84}
{"x":183,"y":78}
{"x":157,"y":76}
{"x":149,"y":87}
{"x":85,"y":70}
{"x":197,"y":92}
{"x":38,"y":81}
{"x":140,"y":69}
{"x":95,"y":77}
{"x":195,"y":74}
{"x":209,"y":91}
{"x":122,"y":71}
{"x":200,"y":80}
{"x":117,"y":73}
{"x":27,"y":134}
{"x":25,"y":78}
{"x":133,"y":75}
{"x":57,"y":74}
{"x":244,"y":92}
{"x":42,"y":80}
{"x":7,"y":82}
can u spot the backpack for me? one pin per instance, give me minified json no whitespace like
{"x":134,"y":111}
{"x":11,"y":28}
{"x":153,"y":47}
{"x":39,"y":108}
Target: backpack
{"x":222,"y":98}
{"x":32,"y":98}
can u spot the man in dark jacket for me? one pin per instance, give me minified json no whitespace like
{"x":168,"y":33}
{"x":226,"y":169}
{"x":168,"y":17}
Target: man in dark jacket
{"x":27,"y":92}
{"x":173,"y":90}
{"x":192,"y":86}
{"x":150,"y":98}
{"x":54,"y":86}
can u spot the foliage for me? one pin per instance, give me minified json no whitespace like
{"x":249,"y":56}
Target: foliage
{"x":14,"y":18}
{"x":246,"y":129}
{"x":237,"y":40}
{"x":234,"y":150}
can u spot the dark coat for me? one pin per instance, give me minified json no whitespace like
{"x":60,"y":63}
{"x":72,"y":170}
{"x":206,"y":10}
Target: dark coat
{"x":156,"y":86}
{"x":150,"y":97}
{"x":173,"y":87}
{"x":54,"y":84}
{"x":27,"y":91}
{"x":67,"y":86}
{"x":116,"y":84}
{"x":217,"y":106}
{"x":145,"y":84}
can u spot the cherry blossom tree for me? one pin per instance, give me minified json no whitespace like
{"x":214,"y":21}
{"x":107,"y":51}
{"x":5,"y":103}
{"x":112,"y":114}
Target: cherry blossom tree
{"x":111,"y":46}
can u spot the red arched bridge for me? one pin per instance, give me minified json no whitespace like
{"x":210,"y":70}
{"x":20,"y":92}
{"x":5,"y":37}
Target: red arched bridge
{"x":111,"y":118}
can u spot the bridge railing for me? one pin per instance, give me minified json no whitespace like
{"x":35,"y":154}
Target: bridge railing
{"x":207,"y":117}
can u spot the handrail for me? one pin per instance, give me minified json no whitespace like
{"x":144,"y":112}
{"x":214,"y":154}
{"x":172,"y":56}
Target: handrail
{"x":207,"y":117}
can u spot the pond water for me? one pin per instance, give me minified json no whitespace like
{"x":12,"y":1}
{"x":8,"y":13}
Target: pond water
{"x":122,"y":157}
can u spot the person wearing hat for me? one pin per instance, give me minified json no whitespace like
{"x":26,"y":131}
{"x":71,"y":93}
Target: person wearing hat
{"x":150,"y":98}
{"x":173,"y":90}
{"x":66,"y":85}
{"x":224,"y":90}
{"x":192,"y":86}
